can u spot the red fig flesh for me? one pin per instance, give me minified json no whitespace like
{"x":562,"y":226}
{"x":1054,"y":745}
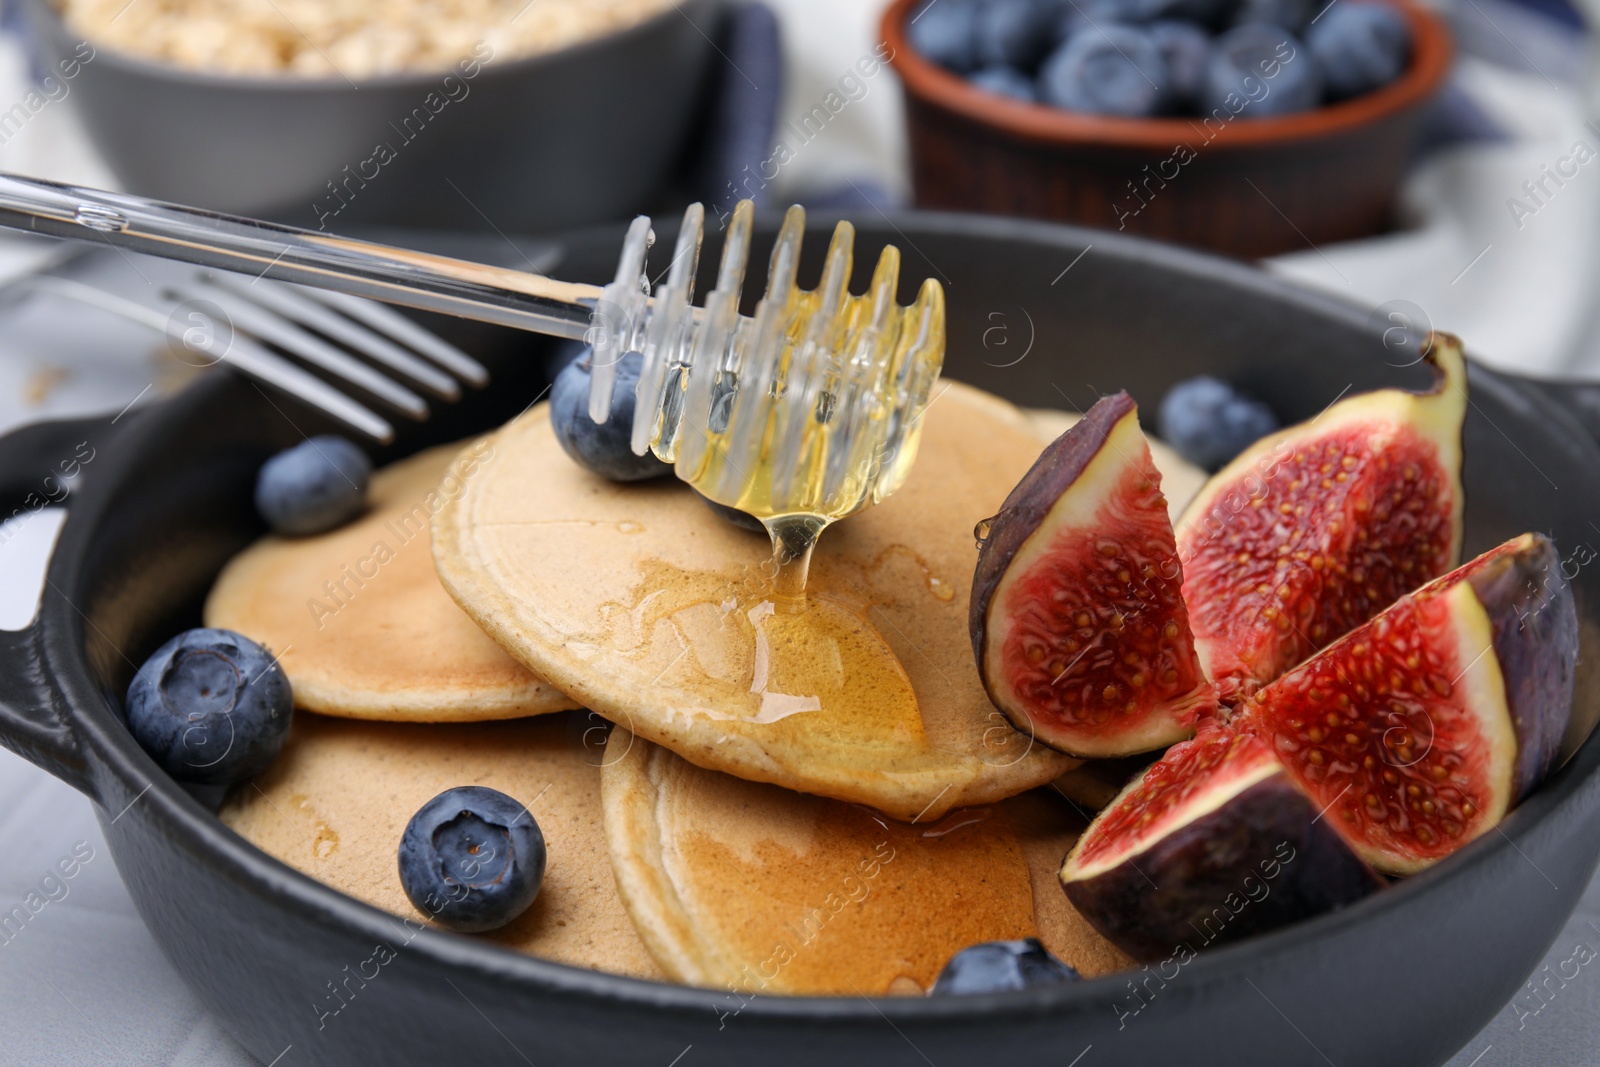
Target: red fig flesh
{"x":1212,"y":843}
{"x":1314,"y":530}
{"x":1077,"y":620}
{"x":1419,"y":730}
{"x":1390,"y":749}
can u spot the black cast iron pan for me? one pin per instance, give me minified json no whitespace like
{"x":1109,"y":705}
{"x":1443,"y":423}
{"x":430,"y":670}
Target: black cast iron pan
{"x":1403,"y":978}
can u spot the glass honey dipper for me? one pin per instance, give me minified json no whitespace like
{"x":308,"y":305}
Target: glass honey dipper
{"x":801,"y":414}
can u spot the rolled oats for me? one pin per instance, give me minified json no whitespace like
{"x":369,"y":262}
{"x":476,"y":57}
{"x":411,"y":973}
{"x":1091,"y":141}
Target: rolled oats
{"x":349,"y":38}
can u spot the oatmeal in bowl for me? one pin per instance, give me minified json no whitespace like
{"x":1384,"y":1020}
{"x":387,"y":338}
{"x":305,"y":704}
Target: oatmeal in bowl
{"x":344,"y":38}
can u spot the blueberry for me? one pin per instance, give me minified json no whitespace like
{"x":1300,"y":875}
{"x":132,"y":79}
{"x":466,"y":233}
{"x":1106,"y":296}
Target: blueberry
{"x":315,"y":486}
{"x":211,"y":706}
{"x":946,"y":32}
{"x":1259,"y":71}
{"x":1214,"y":13}
{"x":472,"y":859}
{"x":1209,"y":422}
{"x":1001,"y":967}
{"x":1005,"y":81}
{"x":1113,"y":70}
{"x":742,"y":519}
{"x":1016,"y":33}
{"x":1092,"y":14}
{"x":1095,"y":13}
{"x":1069,"y":22}
{"x":1359,"y":47}
{"x":1291,"y":15}
{"x":606,"y":449}
{"x":1187,"y":51}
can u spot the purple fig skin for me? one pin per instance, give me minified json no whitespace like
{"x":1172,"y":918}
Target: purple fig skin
{"x":1535,"y":621}
{"x":1056,"y":469}
{"x":1261,"y":861}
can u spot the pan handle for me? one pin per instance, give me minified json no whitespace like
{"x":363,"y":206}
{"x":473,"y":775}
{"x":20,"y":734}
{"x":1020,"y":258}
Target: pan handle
{"x":33,"y":711}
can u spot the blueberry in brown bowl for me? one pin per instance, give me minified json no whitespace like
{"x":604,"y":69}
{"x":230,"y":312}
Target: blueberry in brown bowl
{"x":1276,"y":137}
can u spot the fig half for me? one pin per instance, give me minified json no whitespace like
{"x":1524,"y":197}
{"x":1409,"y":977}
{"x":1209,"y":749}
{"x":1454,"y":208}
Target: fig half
{"x":1077,"y":617}
{"x":1213,"y":843}
{"x":1418,"y":731}
{"x":1317,"y":528}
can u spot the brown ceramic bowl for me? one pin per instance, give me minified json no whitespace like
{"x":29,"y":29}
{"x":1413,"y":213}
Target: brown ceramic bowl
{"x":1249,"y":187}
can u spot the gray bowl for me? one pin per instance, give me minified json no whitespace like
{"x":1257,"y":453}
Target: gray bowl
{"x":581,"y":135}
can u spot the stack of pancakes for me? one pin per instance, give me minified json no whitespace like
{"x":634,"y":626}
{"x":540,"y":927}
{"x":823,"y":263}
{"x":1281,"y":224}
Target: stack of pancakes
{"x":445,"y":639}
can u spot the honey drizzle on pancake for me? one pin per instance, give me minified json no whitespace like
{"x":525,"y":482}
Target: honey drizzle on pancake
{"x":741,"y":655}
{"x":534,"y":548}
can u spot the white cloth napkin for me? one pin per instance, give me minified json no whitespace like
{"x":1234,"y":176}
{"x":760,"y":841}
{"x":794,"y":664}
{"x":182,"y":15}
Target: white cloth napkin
{"x":1490,"y":256}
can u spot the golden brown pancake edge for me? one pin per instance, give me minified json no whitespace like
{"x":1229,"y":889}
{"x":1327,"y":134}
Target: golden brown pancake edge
{"x":336,"y":801}
{"x":359,"y":621}
{"x":494,"y":543}
{"x":755,"y":889}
